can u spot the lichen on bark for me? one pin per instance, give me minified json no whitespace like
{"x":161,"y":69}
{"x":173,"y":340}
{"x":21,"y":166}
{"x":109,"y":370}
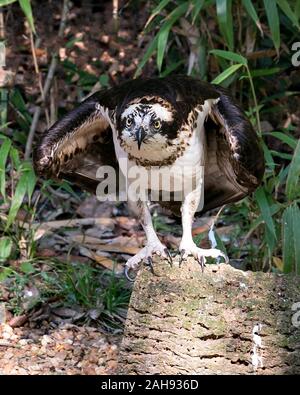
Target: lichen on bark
{"x":183,"y":321}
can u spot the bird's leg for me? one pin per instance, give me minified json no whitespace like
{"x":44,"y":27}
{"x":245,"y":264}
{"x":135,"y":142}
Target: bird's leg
{"x":153,"y":246}
{"x":187,"y":246}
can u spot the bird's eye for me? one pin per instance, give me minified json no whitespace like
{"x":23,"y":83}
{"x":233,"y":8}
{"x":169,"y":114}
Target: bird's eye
{"x":128,"y":122}
{"x":157,"y":125}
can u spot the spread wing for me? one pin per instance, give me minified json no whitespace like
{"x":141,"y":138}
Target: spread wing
{"x":234,"y":164}
{"x":75,"y":146}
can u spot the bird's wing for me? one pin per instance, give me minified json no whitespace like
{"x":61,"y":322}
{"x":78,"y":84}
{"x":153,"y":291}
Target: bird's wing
{"x":234,"y":163}
{"x":75,"y":146}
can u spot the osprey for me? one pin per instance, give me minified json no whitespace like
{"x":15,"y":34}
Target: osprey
{"x":187,"y":130}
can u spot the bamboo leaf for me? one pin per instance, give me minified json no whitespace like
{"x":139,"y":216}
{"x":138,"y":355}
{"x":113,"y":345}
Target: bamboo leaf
{"x":163,"y":34}
{"x":252,"y":13}
{"x":31,"y":180}
{"x":290,"y":239}
{"x":268,"y":156}
{"x":230,"y":56}
{"x":225,"y":20}
{"x":157,"y":10}
{"x":26,"y":7}
{"x":284,"y":5}
{"x":292,"y":142}
{"x":273,"y":19}
{"x":297,"y":9}
{"x":226,"y":73}
{"x":161,"y":45}
{"x":5,"y":248}
{"x":292,"y":184}
{"x":264,"y":207}
{"x":265,"y":72}
{"x":15,"y":157}
{"x":6,"y":2}
{"x":197,"y":6}
{"x":296,"y":234}
{"x":17,"y":199}
{"x":147,"y":56}
{"x":4,"y":151}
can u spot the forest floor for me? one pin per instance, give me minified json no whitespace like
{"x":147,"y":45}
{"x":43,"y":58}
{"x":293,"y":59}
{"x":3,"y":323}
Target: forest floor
{"x":69,"y":349}
{"x":37,"y":340}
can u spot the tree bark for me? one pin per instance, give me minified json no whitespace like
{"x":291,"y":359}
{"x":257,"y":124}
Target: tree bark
{"x":222,"y":321}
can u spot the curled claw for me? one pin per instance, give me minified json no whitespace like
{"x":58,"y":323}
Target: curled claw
{"x":201,"y":261}
{"x":226,"y":258}
{"x":150,"y":264}
{"x":182,"y":252}
{"x":169,"y":258}
{"x":127,"y":271}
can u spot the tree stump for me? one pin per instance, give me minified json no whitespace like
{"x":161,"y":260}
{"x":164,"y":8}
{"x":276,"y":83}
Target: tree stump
{"x":222,"y":321}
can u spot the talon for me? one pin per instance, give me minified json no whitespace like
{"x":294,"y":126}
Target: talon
{"x":150,"y":264}
{"x":182,"y":252}
{"x":127,"y":270}
{"x":169,"y":258}
{"x":201,"y":261}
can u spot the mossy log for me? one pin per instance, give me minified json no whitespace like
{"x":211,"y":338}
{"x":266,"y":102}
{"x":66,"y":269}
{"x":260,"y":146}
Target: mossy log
{"x":222,"y":321}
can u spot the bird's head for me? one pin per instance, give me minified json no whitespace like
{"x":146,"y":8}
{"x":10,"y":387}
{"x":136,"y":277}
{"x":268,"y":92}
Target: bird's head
{"x":147,"y":128}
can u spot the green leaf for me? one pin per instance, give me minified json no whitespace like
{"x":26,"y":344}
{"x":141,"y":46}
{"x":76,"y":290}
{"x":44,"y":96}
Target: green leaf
{"x":297,"y":9}
{"x":197,"y":6}
{"x":284,"y":5}
{"x":5,"y":273}
{"x":6,"y":2}
{"x":268,"y":156}
{"x":26,"y":7}
{"x":161,"y":45}
{"x":27,"y":268}
{"x":17,"y":199}
{"x":296,"y":233}
{"x":226,"y":73}
{"x":273,"y":19}
{"x":290,"y":238}
{"x":147,"y":56}
{"x":157,"y":10}
{"x":15,"y":157}
{"x":293,"y":184}
{"x":4,"y":151}
{"x":163,"y":34}
{"x":291,"y":141}
{"x":265,"y":72}
{"x":225,"y":20}
{"x":104,"y":80}
{"x":252,"y":13}
{"x":264,"y":207}
{"x":18,"y":102}
{"x":270,"y":241}
{"x":31,"y":178}
{"x":281,"y":155}
{"x":5,"y":248}
{"x":230,"y":56}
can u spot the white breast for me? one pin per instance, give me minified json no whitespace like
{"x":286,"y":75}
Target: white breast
{"x":188,"y":169}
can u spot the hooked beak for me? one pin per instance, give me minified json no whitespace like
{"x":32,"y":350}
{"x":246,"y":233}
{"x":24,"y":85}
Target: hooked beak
{"x":140,"y":135}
